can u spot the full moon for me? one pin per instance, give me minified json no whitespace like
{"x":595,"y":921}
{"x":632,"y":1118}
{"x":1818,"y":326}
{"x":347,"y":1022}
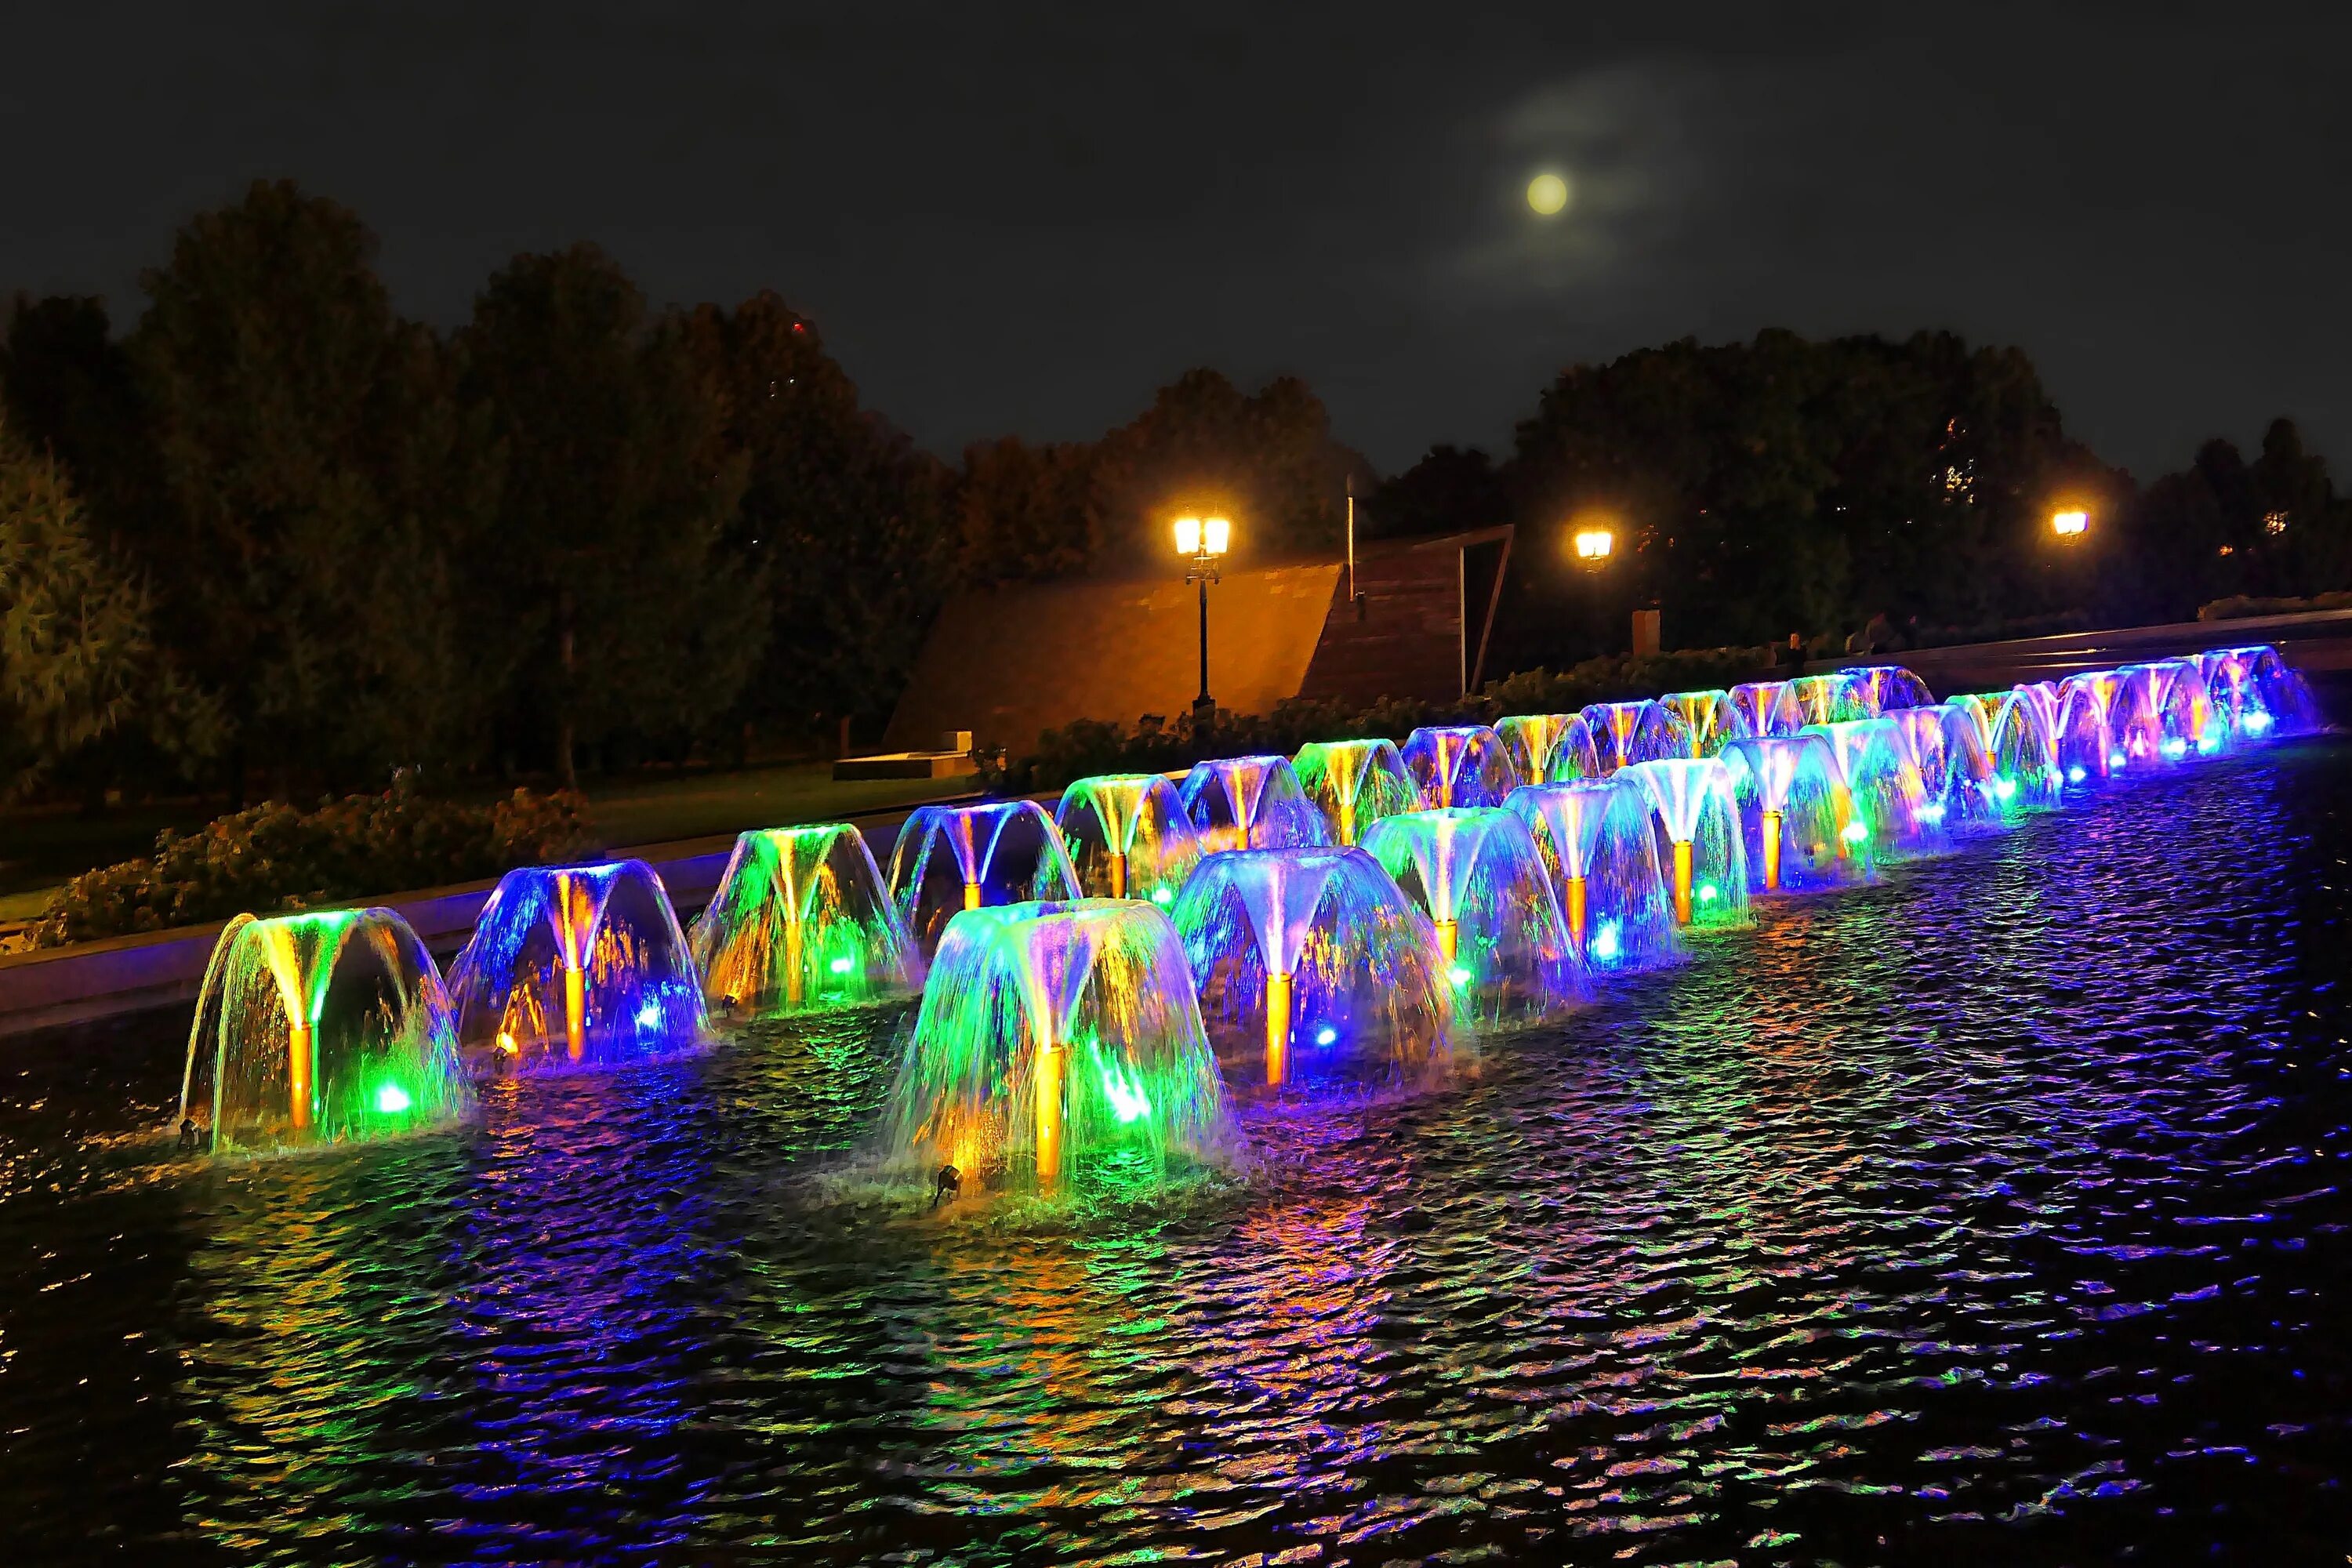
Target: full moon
{"x":1546,"y":193}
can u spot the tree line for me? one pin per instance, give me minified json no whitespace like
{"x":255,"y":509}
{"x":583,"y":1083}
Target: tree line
{"x":274,"y":536}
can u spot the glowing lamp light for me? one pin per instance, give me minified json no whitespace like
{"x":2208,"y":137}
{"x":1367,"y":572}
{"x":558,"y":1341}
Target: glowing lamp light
{"x":842,"y":966}
{"x":391,"y":1100}
{"x":2075,"y":775}
{"x":1854,"y":832}
{"x":2255,"y":722}
{"x":649,"y":1017}
{"x":1707,"y":893}
{"x":1594,"y":544}
{"x":1546,"y":193}
{"x":507,"y":1043}
{"x":1163,"y":896}
{"x":1606,"y":944}
{"x":1204,"y":535}
{"x":1325,"y":1036}
{"x":2069,"y":523}
{"x":1459,"y":975}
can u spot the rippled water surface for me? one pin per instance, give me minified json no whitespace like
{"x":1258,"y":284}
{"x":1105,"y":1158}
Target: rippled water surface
{"x":1989,"y":1214}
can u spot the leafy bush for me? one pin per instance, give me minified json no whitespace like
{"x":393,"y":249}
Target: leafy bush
{"x":2241,"y":606}
{"x":1085,"y":747}
{"x":274,"y":857}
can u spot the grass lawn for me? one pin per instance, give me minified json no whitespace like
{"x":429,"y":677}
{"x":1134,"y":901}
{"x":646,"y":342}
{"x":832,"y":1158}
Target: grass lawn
{"x":43,"y":848}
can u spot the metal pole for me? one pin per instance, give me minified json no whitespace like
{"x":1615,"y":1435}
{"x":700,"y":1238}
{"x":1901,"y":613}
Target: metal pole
{"x":1204,"y":700}
{"x":1351,"y":539}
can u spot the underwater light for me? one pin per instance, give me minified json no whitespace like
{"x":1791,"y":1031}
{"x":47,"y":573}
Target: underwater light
{"x":2176,"y":748}
{"x":1707,"y":893}
{"x":1605,"y":944}
{"x":2209,"y":740}
{"x":2255,"y":722}
{"x":2076,"y":773}
{"x":392,"y":1100}
{"x":1126,"y":1102}
{"x":1163,"y":896}
{"x":1932,"y":812}
{"x":1327,"y":1036}
{"x":1459,"y":975}
{"x":1854,"y":832}
{"x":842,"y":966}
{"x":2004,"y":786}
{"x":649,"y":1017}
{"x":2116,"y":759}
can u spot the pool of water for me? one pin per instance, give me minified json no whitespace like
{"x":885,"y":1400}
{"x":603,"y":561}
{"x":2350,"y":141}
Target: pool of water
{"x":1993,"y":1214}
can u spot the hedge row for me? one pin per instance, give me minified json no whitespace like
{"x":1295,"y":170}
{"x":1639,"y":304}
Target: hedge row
{"x":275,"y":857}
{"x":1092,"y":746}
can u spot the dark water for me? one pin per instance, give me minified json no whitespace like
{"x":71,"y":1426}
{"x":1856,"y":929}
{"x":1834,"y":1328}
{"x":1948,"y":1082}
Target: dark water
{"x":1992,"y":1215}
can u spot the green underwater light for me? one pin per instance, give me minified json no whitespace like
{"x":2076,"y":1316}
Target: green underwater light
{"x":842,"y":966}
{"x":391,"y":1100}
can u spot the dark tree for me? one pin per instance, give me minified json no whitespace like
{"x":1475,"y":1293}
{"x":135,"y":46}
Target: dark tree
{"x":614,"y":610}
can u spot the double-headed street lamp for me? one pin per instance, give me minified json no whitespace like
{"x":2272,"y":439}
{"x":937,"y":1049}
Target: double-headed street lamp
{"x":1202,"y":542}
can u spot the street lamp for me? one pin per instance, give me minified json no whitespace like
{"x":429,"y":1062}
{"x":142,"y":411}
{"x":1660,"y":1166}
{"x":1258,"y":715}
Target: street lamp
{"x":1202,"y":541}
{"x":2070,"y":524}
{"x":1593,"y":544}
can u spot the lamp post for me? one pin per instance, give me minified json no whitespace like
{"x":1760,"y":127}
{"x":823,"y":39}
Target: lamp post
{"x":1202,"y":542}
{"x":2071,"y":523}
{"x":1593,"y":544}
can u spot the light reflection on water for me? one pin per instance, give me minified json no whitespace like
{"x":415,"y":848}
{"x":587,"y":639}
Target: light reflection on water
{"x":1992,"y":1213}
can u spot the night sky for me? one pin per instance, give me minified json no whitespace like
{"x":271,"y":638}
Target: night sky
{"x":1023,"y":220}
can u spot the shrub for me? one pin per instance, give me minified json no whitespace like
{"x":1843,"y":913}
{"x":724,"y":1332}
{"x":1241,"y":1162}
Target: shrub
{"x":274,"y":857}
{"x":1089,"y":746}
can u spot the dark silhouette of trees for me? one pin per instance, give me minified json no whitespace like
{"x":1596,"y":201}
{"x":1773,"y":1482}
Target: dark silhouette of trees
{"x":278,"y":531}
{"x":847,"y":524}
{"x":611,"y":605}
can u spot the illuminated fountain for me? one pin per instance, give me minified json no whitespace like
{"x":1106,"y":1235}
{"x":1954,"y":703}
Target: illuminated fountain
{"x":1458,"y":765}
{"x":1629,"y":733}
{"x":1794,"y":813}
{"x":1710,"y":718}
{"x":1760,"y":705}
{"x":1815,"y":700}
{"x":1875,"y":688}
{"x":1549,"y":748}
{"x":1312,"y":966}
{"x":1053,"y":1035}
{"x":329,"y":1028}
{"x":573,"y":966}
{"x":1598,"y":846}
{"x":2183,"y":709}
{"x":1892,"y":812}
{"x":2022,"y":745}
{"x":2085,"y":744}
{"x":948,"y":859}
{"x":1251,"y":802}
{"x":1127,"y":836}
{"x":1696,"y":819}
{"x":2257,"y":693}
{"x":801,"y":922}
{"x":1476,"y":874}
{"x":1956,"y":772}
{"x":1355,"y":784}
